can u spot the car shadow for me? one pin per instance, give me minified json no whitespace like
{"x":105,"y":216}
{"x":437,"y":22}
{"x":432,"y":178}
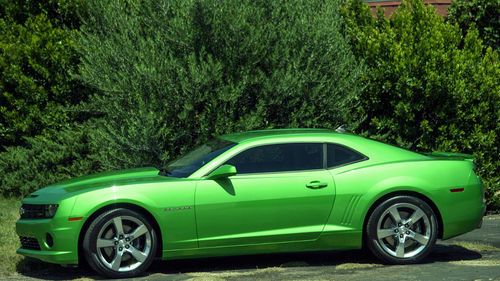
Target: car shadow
{"x":441,"y":253}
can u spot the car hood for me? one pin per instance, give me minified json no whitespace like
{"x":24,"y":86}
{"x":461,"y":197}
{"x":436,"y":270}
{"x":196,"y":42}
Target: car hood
{"x":103,"y":180}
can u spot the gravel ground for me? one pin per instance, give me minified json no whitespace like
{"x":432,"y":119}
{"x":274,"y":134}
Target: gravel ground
{"x":473,"y":256}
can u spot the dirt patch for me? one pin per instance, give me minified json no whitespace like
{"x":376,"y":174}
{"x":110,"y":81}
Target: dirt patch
{"x":481,"y":262}
{"x":476,"y":246}
{"x":356,"y":266}
{"x":231,"y":274}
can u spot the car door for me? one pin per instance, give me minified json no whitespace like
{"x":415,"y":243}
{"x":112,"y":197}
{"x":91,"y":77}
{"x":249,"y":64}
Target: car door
{"x":280,"y":193}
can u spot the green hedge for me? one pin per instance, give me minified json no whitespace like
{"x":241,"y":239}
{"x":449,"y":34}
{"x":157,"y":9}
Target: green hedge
{"x":481,"y":14}
{"x":428,"y":88}
{"x":172,"y":74}
{"x":37,"y":58}
{"x":47,"y":159}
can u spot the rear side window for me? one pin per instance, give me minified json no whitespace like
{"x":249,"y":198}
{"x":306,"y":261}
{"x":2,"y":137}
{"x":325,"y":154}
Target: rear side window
{"x":338,"y":155}
{"x":279,"y":158}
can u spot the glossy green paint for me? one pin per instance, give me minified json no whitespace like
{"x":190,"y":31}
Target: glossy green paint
{"x":264,"y":208}
{"x":222,"y":172}
{"x":260,"y":213}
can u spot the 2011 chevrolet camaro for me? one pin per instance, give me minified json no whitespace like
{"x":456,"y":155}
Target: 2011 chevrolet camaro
{"x":257,"y":192}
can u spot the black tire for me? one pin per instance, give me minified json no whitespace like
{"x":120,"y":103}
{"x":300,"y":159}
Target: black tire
{"x":426,"y":227}
{"x":100,"y":224}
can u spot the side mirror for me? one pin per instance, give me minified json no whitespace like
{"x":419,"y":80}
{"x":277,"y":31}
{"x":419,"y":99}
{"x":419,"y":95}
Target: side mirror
{"x":223,"y":171}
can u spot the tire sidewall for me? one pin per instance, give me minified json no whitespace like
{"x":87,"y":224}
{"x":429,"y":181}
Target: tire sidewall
{"x":90,"y":243}
{"x":371,"y":230}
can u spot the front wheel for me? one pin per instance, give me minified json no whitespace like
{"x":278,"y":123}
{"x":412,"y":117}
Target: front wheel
{"x":120,"y":243}
{"x":402,"y":230}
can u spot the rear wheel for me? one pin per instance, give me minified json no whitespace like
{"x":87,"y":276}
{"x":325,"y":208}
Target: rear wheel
{"x":120,"y":243}
{"x":402,"y":230}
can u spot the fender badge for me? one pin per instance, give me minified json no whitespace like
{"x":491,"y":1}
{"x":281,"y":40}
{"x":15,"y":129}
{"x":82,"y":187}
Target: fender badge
{"x":177,"y":208}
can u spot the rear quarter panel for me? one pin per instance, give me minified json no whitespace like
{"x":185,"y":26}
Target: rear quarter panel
{"x":359,"y":186}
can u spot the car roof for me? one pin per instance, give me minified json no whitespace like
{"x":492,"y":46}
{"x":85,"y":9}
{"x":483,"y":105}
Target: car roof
{"x":375,"y":150}
{"x":277,"y":133}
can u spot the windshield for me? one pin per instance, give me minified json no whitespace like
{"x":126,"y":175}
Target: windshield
{"x":190,"y":162}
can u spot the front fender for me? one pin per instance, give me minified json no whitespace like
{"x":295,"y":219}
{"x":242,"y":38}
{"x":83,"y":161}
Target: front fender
{"x":89,"y":203}
{"x":169,"y":206}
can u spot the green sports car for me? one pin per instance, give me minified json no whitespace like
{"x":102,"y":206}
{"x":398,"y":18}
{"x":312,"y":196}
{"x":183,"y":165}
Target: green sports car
{"x":257,"y":192}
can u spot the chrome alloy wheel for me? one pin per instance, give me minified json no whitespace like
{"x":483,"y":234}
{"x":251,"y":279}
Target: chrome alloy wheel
{"x":123,"y":243}
{"x":403,"y":230}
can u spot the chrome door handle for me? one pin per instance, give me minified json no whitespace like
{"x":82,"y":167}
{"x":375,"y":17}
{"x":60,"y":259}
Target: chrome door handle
{"x":316,"y":185}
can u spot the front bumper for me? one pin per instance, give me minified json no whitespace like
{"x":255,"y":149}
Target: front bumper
{"x":64,"y":249}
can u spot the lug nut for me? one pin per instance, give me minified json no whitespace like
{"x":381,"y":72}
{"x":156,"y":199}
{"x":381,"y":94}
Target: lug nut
{"x":401,"y":236}
{"x":127,"y":239}
{"x":120,"y":249}
{"x":120,"y":237}
{"x":407,"y":225}
{"x":399,"y":224}
{"x":127,"y":246}
{"x":396,"y":230}
{"x":116,"y":242}
{"x":407,"y":232}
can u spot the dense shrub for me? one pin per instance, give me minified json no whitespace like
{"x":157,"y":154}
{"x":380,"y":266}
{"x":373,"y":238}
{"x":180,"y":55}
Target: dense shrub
{"x":37,"y":56}
{"x":62,"y":13}
{"x":36,"y":89}
{"x":46,"y":159}
{"x":427,"y":89}
{"x":171,"y":74}
{"x":481,"y":14}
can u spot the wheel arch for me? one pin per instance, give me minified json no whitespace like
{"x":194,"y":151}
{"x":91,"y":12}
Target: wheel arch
{"x":416,"y":194}
{"x":125,"y":205}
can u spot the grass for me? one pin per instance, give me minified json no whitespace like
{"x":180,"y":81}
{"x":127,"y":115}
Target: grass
{"x":12,"y":264}
{"x":9,"y":242}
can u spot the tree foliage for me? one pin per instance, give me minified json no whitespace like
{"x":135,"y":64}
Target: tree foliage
{"x":35,"y":84}
{"x":427,"y":89}
{"x":38,"y":94}
{"x":63,"y":13}
{"x":60,"y":155}
{"x":171,"y":74}
{"x":481,"y":14}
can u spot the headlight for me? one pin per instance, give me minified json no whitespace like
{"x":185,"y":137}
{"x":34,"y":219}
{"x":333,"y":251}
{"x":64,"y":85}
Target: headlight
{"x":50,"y":210}
{"x":35,"y":211}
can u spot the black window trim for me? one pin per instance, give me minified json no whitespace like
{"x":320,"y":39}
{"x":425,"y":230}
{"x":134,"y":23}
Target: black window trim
{"x":280,"y":172}
{"x":345,"y":164}
{"x":325,"y":158}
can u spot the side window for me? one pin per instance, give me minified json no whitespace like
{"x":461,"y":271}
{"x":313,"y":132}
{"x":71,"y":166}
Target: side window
{"x":279,"y":158}
{"x":339,"y":155}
